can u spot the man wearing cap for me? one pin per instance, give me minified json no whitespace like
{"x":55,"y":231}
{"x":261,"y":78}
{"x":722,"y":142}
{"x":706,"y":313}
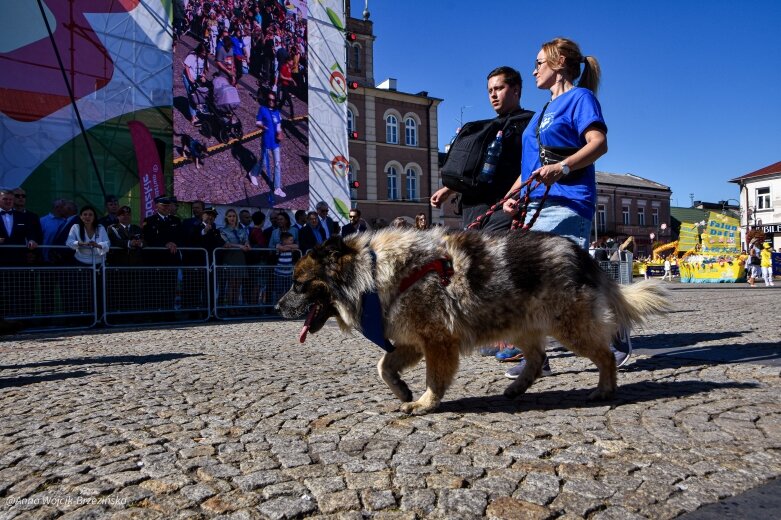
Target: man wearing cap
{"x":112,"y":208}
{"x":766,"y":263}
{"x":207,"y":235}
{"x":162,"y":230}
{"x":126,"y":238}
{"x":126,"y":251}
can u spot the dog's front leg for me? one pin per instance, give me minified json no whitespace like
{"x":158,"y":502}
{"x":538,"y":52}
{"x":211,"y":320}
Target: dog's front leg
{"x":392,"y":364}
{"x":441,"y":367}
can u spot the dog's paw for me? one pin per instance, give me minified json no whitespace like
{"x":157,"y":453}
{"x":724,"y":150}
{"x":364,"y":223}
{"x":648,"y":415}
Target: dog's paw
{"x":601,"y":395}
{"x":417,"y":408}
{"x":516,"y":389}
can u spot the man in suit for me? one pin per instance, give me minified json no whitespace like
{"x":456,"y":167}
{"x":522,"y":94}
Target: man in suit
{"x":18,"y":238}
{"x":327,"y":224}
{"x":311,"y":234}
{"x":163,"y":230}
{"x":126,"y":251}
{"x":112,"y":212}
{"x":15,"y":231}
{"x":126,"y":241}
{"x":31,"y":219}
{"x":356,"y":224}
{"x":191,"y":227}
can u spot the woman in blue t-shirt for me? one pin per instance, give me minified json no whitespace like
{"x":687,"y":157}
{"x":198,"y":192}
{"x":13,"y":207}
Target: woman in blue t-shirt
{"x":571,"y":119}
{"x":269,"y":121}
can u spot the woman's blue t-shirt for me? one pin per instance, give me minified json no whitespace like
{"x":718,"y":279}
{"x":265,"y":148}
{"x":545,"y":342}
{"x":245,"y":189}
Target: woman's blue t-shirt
{"x":565,"y":120}
{"x":271,"y":120}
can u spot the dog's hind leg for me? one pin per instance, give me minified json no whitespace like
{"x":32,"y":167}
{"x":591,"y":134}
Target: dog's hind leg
{"x":533,"y":348}
{"x":392,"y":364}
{"x":441,"y":367}
{"x":590,"y":340}
{"x":605,"y":361}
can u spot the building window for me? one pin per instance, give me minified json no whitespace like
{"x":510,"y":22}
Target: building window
{"x":601,"y":217}
{"x":655,"y":216}
{"x":352,"y":177}
{"x":641,"y":216}
{"x":391,"y":130}
{"x":625,"y":215}
{"x":412,"y":184}
{"x":393,"y":183}
{"x":356,"y":62}
{"x":763,"y":198}
{"x":410,"y":132}
{"x":350,"y":122}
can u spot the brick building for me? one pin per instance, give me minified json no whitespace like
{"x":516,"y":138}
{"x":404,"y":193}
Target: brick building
{"x":393,"y":145}
{"x":628,"y":205}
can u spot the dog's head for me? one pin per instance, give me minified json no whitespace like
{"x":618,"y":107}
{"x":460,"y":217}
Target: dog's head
{"x":317,"y":280}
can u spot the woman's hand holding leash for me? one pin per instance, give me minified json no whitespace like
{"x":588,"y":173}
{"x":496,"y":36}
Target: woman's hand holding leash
{"x":549,"y":174}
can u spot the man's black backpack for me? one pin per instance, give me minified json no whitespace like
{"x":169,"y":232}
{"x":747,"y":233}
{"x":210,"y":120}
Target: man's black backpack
{"x":466,"y":155}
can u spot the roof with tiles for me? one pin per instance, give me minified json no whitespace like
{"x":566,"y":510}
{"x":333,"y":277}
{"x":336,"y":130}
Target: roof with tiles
{"x":628,"y":180}
{"x":773,"y":169}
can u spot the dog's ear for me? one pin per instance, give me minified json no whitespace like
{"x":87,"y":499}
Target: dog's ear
{"x":333,"y":248}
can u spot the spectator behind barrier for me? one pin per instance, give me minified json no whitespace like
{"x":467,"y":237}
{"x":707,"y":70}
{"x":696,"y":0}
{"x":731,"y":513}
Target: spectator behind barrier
{"x":88,"y":238}
{"x":126,"y":238}
{"x":15,"y":230}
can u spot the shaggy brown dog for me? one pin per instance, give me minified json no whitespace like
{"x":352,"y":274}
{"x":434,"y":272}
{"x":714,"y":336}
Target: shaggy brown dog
{"x":516,"y":287}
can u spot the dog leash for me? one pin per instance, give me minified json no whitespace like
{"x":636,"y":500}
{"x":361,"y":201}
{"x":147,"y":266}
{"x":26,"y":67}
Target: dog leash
{"x":520,"y":216}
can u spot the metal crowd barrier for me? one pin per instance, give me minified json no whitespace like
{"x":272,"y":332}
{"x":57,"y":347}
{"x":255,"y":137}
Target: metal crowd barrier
{"x":249,"y":283}
{"x":152,"y":284}
{"x":620,"y":271}
{"x":60,"y":293}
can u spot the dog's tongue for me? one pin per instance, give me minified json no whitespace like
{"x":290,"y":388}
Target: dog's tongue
{"x":307,"y":323}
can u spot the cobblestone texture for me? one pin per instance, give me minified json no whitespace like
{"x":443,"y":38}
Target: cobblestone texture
{"x":240,"y":421}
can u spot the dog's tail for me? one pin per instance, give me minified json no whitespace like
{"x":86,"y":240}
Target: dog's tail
{"x":642,"y":300}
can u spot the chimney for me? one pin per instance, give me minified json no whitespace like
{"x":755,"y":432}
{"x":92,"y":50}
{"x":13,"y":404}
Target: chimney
{"x":388,"y":84}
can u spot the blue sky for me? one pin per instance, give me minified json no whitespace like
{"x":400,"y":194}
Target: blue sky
{"x":691,"y":91}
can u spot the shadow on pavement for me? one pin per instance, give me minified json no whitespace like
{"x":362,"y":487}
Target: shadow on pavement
{"x":102,"y":360}
{"x":564,"y":399}
{"x":683,"y":339}
{"x":14,"y":382}
{"x":683,"y":346}
{"x":182,"y":104}
{"x":244,"y":155}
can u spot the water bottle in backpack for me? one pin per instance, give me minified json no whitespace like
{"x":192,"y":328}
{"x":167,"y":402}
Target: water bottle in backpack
{"x":491,"y":160}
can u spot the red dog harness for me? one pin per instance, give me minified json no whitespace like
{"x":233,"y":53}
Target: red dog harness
{"x":443,"y":266}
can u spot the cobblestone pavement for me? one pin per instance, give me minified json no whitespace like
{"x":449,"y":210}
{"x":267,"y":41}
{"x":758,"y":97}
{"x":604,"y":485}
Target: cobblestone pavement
{"x":240,"y":421}
{"x":223,"y":178}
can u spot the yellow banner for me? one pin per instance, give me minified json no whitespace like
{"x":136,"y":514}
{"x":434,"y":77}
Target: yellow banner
{"x":722,"y":235}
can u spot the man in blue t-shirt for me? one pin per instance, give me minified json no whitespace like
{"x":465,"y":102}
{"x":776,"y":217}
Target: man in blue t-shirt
{"x":270,"y":122}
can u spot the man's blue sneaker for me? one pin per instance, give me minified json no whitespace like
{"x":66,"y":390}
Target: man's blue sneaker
{"x":515,"y":371}
{"x":621,"y":346}
{"x":489,"y":351}
{"x":508,"y":353}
